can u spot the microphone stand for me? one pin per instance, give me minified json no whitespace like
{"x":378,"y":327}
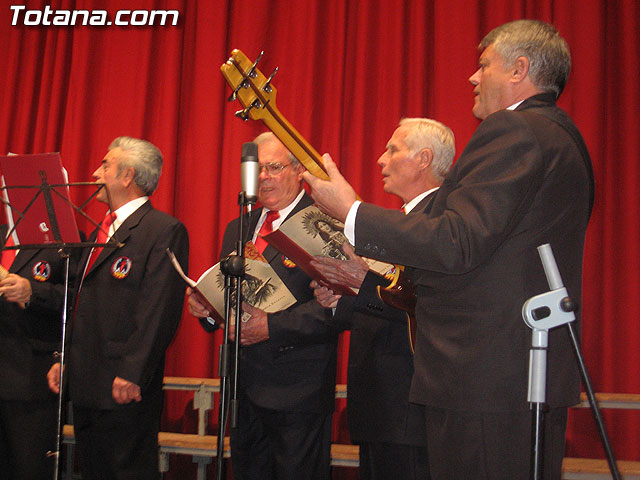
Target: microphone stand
{"x":233,"y":268}
{"x":542,"y":313}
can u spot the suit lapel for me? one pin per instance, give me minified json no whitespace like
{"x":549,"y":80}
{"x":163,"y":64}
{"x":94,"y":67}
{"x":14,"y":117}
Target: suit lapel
{"x":23,"y":257}
{"x":253,"y":222}
{"x":270,"y":252}
{"x":121,"y":235}
{"x":424,"y":205}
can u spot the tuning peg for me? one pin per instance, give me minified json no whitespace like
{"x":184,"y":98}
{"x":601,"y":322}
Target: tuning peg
{"x":267,"y":86}
{"x":252,"y":72}
{"x":234,"y":94}
{"x":243,"y":114}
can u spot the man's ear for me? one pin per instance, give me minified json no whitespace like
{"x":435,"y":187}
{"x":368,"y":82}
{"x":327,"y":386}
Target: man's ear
{"x":127,"y":175}
{"x":425,"y":158}
{"x":520,"y":69}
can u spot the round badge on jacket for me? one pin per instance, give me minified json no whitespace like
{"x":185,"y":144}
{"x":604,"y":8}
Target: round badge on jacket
{"x":121,"y":267}
{"x":41,"y":271}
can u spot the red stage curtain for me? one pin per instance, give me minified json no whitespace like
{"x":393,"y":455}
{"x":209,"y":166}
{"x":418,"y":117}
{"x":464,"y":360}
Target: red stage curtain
{"x":348,"y":72}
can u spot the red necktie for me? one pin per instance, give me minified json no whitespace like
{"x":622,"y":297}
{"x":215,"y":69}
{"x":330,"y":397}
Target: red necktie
{"x":103,"y":234}
{"x":8,"y":256}
{"x":267,"y":227}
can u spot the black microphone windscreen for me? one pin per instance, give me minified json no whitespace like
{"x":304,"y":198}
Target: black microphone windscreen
{"x":249,"y":152}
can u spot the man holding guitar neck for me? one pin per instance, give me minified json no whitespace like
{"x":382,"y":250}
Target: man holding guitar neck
{"x":523,"y":180}
{"x":288,"y":358}
{"x":389,"y":429}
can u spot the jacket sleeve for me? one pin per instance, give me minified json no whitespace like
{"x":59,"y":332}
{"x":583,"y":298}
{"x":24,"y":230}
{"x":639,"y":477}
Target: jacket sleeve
{"x":368,"y":301}
{"x":302,"y":324}
{"x":158,"y":309}
{"x":48,"y":297}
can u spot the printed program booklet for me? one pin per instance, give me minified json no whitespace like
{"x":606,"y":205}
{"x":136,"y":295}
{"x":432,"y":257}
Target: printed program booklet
{"x":311,"y":232}
{"x":261,"y":287}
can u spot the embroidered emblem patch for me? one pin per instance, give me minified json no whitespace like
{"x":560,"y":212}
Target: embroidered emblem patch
{"x":41,"y":271}
{"x":391,"y":273}
{"x":288,"y":263}
{"x":121,"y":267}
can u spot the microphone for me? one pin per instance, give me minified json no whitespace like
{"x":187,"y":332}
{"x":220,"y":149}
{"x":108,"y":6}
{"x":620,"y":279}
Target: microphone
{"x":249,"y":173}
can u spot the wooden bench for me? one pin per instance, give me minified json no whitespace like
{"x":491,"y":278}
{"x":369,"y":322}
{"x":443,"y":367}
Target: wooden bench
{"x":624,"y":401}
{"x":597,"y":469}
{"x":203,"y":447}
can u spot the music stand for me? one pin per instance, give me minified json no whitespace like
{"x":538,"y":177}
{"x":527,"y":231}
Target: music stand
{"x":46,"y":219}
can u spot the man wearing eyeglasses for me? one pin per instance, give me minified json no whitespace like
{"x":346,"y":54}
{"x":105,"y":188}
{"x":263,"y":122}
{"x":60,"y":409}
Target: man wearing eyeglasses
{"x":288,"y":358}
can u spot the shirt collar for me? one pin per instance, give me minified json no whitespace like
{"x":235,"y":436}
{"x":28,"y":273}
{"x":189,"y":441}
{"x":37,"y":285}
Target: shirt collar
{"x":284,"y":212}
{"x":412,"y":204}
{"x":515,"y":105}
{"x":126,"y":210}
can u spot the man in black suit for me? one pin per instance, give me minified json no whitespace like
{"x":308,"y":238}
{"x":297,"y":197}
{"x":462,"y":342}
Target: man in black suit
{"x":523,"y":180}
{"x":127,"y":310}
{"x":389,"y":429}
{"x":30,"y":332}
{"x":288,"y":358}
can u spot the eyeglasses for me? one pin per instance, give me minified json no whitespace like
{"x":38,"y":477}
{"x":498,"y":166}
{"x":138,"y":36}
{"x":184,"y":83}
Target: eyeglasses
{"x":273,"y":168}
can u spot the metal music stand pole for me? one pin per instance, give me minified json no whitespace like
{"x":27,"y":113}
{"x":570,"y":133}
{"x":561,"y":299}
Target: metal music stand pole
{"x":47,"y":190}
{"x":542,"y":313}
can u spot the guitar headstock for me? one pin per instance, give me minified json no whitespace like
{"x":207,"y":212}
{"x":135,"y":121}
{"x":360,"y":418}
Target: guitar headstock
{"x":250,"y":86}
{"x":258,"y":97}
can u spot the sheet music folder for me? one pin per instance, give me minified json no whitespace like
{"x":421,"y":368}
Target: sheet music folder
{"x":35,"y":192}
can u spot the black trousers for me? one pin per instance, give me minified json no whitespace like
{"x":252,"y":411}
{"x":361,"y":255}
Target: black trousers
{"x":491,"y":446}
{"x":119,"y":444}
{"x":275,"y":445}
{"x":27,"y":433}
{"x":383,"y":461}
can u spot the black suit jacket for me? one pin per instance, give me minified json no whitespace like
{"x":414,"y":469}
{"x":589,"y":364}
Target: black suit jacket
{"x":380,"y":366}
{"x":29,"y":337}
{"x":294,"y":370}
{"x":127,"y":310}
{"x":522,"y":181}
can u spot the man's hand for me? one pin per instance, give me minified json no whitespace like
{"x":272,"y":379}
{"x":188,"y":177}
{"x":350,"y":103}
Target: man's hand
{"x":53,"y":378}
{"x":16,"y":289}
{"x":324,"y":296}
{"x":350,"y":272}
{"x":195,"y":307}
{"x":255,"y":329}
{"x":334,"y":196}
{"x":123,"y":391}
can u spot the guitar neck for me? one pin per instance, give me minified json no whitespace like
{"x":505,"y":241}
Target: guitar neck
{"x":295,"y":143}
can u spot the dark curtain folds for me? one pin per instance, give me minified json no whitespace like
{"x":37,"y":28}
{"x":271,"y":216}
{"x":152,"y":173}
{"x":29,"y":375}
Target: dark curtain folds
{"x":348,"y":71}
